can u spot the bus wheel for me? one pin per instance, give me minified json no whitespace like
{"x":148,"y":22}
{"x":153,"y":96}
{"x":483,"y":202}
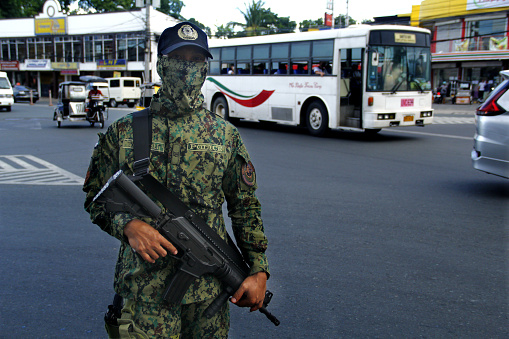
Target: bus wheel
{"x":220,"y":107}
{"x":317,"y":119}
{"x":113,"y":103}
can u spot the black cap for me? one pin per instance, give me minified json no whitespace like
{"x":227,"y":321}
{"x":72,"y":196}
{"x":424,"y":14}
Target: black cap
{"x":182,"y":34}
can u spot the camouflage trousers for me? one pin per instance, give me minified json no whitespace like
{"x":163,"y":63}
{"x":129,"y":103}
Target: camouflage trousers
{"x":147,"y":320}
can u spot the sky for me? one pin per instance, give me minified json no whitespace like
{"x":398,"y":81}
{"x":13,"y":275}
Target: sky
{"x":214,"y":13}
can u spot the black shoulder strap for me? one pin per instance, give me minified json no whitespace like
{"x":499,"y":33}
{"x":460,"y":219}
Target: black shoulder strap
{"x":142,"y":135}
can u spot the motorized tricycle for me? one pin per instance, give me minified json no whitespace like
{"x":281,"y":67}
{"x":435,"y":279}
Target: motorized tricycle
{"x":461,"y":92}
{"x":74,"y":103}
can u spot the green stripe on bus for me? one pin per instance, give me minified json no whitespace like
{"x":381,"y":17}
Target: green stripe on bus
{"x":227,"y":89}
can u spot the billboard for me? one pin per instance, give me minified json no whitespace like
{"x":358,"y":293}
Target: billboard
{"x":484,"y":4}
{"x":53,"y":26}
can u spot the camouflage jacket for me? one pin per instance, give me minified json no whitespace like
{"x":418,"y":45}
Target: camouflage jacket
{"x":201,"y":158}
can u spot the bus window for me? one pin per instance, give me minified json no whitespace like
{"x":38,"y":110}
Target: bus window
{"x":280,"y":51}
{"x":323,"y":48}
{"x":279,"y":67}
{"x":261,"y":67}
{"x":228,"y":53}
{"x":261,"y":52}
{"x":394,"y":68}
{"x":243,"y":68}
{"x":322,"y":65}
{"x":300,"y":49}
{"x":214,"y":67}
{"x":244,"y":53}
{"x":300,"y":68}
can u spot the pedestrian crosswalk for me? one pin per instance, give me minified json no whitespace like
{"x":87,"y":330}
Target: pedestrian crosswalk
{"x":30,"y":170}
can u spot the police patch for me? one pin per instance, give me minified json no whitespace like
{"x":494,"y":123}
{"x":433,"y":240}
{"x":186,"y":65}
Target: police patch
{"x":248,"y":173}
{"x":186,"y":32}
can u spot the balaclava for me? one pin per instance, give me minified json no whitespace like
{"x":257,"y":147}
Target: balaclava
{"x":182,"y":81}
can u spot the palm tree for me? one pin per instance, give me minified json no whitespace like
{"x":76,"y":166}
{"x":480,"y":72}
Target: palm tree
{"x":255,"y":16}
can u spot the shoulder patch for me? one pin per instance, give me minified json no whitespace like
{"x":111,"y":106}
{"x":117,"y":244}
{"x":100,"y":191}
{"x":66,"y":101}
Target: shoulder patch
{"x":248,"y":173}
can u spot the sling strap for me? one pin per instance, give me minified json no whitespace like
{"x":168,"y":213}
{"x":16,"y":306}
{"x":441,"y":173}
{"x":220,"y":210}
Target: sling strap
{"x":142,"y":135}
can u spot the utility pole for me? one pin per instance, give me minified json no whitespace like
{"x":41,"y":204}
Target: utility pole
{"x":347,"y":23}
{"x":148,"y":44}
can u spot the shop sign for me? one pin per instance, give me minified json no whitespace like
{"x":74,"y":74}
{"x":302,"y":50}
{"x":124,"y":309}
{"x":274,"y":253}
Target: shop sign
{"x":38,"y":64}
{"x":50,"y":26}
{"x":64,"y":65}
{"x":69,"y":72}
{"x":9,"y":65}
{"x":116,"y":65}
{"x":483,"y":4}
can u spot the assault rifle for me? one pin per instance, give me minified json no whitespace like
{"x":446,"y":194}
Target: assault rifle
{"x":200,"y":249}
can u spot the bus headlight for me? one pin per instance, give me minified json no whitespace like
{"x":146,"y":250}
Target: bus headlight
{"x":427,"y":114}
{"x":386,"y":116}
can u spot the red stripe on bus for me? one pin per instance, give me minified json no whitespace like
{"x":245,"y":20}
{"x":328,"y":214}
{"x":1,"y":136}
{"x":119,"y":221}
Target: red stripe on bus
{"x":253,"y":102}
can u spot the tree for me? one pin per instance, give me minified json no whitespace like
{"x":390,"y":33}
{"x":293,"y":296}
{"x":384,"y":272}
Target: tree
{"x":339,"y":21}
{"x":225,"y":31}
{"x":172,"y":8}
{"x":306,"y":24}
{"x":206,"y":29}
{"x":260,"y":21}
{"x":20,"y":8}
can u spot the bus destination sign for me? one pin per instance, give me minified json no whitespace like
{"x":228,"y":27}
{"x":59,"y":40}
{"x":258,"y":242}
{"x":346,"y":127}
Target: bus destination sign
{"x":404,"y":38}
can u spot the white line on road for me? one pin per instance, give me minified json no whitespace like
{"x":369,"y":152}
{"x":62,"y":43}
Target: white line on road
{"x":431,"y":134}
{"x":14,"y":169}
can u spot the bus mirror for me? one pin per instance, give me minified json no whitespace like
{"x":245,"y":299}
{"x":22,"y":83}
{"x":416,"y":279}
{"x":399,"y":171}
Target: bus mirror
{"x":374,"y":58}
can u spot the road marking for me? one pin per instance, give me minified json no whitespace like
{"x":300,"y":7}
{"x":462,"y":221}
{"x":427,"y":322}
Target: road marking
{"x":430,"y":134}
{"x":453,"y":120}
{"x":29,"y":170}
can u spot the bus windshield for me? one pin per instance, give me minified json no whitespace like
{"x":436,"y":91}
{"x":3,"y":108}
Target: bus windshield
{"x":397,"y":68}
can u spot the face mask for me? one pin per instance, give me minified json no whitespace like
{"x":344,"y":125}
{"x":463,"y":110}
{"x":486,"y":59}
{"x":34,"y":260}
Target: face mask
{"x":181,"y":84}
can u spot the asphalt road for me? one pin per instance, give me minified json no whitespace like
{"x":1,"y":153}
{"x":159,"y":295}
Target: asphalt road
{"x":394,"y":235}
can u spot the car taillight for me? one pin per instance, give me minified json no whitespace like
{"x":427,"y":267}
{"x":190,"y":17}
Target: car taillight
{"x":490,"y":107}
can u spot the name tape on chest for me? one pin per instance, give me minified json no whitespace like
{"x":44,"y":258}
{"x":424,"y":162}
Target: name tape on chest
{"x":196,"y":147}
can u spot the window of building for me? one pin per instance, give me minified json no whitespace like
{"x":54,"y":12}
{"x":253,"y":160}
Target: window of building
{"x":445,"y":37}
{"x":485,"y":34}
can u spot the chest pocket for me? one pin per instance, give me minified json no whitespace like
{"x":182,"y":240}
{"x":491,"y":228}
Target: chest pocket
{"x":203,"y":165}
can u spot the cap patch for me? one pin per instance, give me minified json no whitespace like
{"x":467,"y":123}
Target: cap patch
{"x":186,"y":32}
{"x":248,"y":173}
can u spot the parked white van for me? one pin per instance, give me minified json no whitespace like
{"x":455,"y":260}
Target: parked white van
{"x":6,"y":95}
{"x":124,"y":90}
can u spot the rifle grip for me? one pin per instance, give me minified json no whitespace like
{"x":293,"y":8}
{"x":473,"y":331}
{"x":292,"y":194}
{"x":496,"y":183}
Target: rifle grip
{"x":178,"y":286}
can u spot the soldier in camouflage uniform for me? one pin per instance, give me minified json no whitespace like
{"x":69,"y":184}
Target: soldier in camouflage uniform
{"x":201,"y":158}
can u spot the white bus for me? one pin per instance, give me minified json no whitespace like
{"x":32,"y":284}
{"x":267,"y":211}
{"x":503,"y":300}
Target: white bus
{"x":385,"y":78}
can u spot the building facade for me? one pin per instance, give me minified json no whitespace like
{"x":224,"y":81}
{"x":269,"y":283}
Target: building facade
{"x":470,"y":38}
{"x":53,"y":47}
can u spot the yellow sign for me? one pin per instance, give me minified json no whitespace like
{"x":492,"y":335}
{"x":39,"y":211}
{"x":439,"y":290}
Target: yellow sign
{"x":404,"y":38}
{"x":64,"y":65}
{"x":50,"y":26}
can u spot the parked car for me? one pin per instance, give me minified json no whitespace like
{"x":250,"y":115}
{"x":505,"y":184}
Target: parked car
{"x":491,"y":140}
{"x":6,"y":99}
{"x":22,"y":93}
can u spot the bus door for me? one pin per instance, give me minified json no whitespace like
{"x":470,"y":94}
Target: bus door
{"x":350,"y":88}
